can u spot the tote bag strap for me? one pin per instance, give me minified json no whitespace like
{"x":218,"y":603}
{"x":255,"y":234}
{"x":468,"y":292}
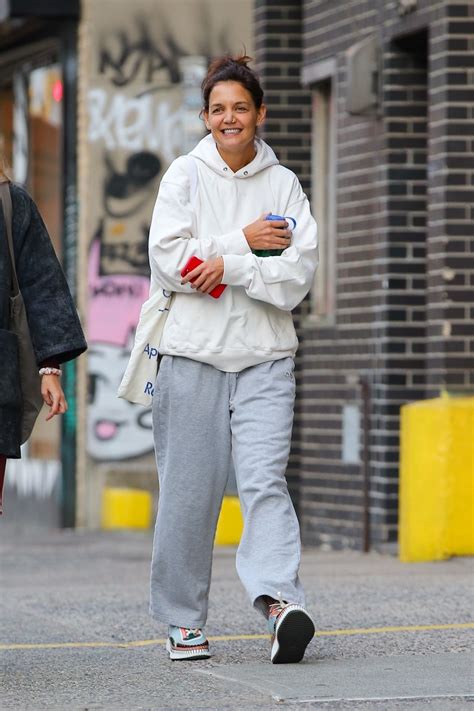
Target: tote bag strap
{"x":6,"y":198}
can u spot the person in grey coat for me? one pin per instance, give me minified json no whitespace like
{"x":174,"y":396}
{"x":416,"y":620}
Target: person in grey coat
{"x":54,"y":325}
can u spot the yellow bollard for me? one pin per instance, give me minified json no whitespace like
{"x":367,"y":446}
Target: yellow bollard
{"x":126,"y":508}
{"x":436,"y":514}
{"x":230,"y":524}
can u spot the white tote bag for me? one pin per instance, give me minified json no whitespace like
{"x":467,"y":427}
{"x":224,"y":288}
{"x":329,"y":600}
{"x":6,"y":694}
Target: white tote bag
{"x":138,"y":382}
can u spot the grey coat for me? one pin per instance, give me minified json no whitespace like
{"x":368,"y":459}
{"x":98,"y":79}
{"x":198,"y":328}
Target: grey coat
{"x":54,"y":325}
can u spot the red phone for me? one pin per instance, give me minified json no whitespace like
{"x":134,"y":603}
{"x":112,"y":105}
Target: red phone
{"x":194,"y":262}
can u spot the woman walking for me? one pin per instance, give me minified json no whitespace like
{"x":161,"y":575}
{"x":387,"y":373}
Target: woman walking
{"x":53,"y":323}
{"x":225,"y":387}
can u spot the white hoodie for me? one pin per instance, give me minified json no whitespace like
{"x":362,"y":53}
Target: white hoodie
{"x":251,"y":322}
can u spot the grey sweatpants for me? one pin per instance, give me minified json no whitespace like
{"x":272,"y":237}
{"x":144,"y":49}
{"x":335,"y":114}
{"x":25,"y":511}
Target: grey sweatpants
{"x":203,"y":417}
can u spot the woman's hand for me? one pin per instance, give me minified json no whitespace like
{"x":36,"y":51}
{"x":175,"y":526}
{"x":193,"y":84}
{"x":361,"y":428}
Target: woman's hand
{"x":206,"y":276}
{"x":268,"y":234}
{"x":53,"y":395}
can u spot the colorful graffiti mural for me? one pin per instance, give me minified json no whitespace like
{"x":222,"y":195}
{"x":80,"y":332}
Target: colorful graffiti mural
{"x":116,"y":429}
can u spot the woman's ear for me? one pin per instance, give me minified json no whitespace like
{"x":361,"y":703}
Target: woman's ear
{"x":205,"y":115}
{"x":261,"y":114}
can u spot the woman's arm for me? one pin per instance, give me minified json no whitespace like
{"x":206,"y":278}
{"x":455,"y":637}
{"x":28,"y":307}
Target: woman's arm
{"x":51,"y":389}
{"x":52,"y":317}
{"x":172,"y":241}
{"x":281,"y":281}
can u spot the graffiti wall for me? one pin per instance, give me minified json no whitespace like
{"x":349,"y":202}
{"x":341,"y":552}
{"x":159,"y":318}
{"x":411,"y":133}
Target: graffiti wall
{"x":144,"y":62}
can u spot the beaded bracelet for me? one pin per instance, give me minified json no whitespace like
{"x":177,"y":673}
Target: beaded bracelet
{"x":50,"y":371}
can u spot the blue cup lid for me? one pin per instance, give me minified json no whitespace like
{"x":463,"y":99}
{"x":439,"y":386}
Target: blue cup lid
{"x":280,"y":217}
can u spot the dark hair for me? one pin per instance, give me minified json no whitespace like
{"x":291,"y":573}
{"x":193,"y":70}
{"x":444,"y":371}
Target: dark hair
{"x":232,"y":69}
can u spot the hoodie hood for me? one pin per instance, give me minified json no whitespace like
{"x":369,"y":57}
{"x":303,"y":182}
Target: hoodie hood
{"x":207,"y":152}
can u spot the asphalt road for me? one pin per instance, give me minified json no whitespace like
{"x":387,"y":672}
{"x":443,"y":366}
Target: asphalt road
{"x":75,"y":632}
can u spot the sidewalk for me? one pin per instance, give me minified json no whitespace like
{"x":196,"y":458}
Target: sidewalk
{"x":76,"y":632}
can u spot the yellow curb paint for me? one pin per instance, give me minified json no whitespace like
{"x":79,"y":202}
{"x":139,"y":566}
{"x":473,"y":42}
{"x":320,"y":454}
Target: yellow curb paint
{"x":236,"y":638}
{"x":361,"y":630}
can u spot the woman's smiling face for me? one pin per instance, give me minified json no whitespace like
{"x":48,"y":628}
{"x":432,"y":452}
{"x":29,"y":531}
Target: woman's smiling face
{"x":233,"y":118}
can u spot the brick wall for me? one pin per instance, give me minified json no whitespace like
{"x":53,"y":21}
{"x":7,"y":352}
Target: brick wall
{"x":278,"y":45}
{"x":335,"y":357}
{"x":404,"y":310}
{"x":450,"y":295}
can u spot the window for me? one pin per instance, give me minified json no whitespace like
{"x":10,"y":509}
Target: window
{"x":322,"y":297}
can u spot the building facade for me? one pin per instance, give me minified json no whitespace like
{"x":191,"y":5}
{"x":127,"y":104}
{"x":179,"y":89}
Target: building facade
{"x":372,"y":104}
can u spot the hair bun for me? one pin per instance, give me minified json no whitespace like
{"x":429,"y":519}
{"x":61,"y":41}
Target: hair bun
{"x":243,"y":59}
{"x":229,"y":68}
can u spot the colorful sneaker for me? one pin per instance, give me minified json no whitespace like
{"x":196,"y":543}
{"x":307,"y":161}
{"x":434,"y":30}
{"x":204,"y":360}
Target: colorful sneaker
{"x":292,"y":629}
{"x":185,"y":643}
